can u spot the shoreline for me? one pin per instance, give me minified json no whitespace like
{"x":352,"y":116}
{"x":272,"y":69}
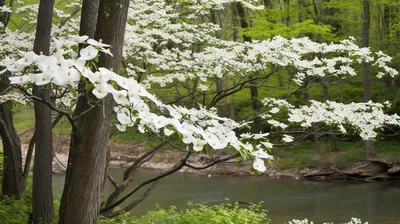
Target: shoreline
{"x":122,"y":155}
{"x":369,"y":170}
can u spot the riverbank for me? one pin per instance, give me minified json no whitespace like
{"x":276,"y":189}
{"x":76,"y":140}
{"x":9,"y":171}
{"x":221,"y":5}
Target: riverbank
{"x":122,"y":155}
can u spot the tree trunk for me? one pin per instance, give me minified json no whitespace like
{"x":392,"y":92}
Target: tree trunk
{"x":255,"y":102}
{"x":257,"y":124}
{"x":88,"y":151}
{"x":242,"y":20}
{"x":12,"y":181}
{"x":325,"y":92}
{"x":2,"y":17}
{"x":235,"y":21}
{"x":219,"y":82}
{"x":369,"y":145}
{"x":268,"y":3}
{"x":89,"y":16}
{"x":43,"y":211}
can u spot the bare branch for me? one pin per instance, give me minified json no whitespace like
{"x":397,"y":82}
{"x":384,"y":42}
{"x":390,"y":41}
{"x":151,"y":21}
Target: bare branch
{"x":138,"y":161}
{"x":28,"y":159}
{"x":112,"y":180}
{"x":168,"y":172}
{"x":50,"y":105}
{"x":135,"y":202}
{"x":76,"y":11}
{"x":130,"y":172}
{"x":219,"y":160}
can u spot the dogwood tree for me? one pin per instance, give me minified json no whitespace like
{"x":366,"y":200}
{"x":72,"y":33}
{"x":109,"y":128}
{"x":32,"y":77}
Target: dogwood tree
{"x":160,"y":49}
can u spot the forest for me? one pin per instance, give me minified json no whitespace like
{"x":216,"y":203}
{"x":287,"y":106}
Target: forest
{"x":102,"y":91}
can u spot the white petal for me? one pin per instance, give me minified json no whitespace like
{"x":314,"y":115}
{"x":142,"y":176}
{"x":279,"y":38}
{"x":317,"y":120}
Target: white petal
{"x":258,"y":164}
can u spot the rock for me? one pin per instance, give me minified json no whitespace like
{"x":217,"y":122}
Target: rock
{"x":381,"y":161}
{"x":394,"y":171}
{"x":318,"y":174}
{"x":367,"y":170}
{"x":381,"y":176}
{"x":200,"y":160}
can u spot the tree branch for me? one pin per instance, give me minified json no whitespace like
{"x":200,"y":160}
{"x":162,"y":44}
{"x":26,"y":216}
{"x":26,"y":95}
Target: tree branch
{"x":135,"y":202}
{"x":213,"y":163}
{"x":168,"y":172}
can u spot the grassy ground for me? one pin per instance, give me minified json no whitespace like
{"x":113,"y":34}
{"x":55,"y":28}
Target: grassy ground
{"x":298,"y":156}
{"x":350,"y":152}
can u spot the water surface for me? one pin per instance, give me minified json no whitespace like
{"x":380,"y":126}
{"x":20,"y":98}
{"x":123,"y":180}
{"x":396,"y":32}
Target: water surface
{"x":286,"y":199}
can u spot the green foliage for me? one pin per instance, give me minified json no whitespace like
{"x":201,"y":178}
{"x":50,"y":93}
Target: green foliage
{"x":228,"y":213}
{"x":14,"y":211}
{"x":264,"y":29}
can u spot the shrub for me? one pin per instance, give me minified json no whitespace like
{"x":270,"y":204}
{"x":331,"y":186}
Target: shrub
{"x":227,"y":213}
{"x":14,"y":211}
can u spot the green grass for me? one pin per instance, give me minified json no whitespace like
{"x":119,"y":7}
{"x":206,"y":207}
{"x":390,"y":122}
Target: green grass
{"x":350,"y":152}
{"x":24,"y":120}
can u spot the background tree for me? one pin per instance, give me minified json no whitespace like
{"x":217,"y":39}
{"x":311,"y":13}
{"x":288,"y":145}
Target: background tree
{"x":369,"y":145}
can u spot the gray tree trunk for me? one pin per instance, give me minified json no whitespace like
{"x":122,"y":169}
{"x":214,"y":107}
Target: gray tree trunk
{"x":12,"y":181}
{"x":80,"y":203}
{"x":369,"y":145}
{"x":43,"y":210}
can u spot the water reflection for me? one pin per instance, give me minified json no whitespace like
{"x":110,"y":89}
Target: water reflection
{"x":285,"y":199}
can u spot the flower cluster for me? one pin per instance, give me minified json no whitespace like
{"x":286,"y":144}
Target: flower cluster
{"x":13,"y":97}
{"x":5,"y":9}
{"x":305,"y":221}
{"x":362,"y":118}
{"x":203,"y":7}
{"x":242,"y":59}
{"x":197,"y":128}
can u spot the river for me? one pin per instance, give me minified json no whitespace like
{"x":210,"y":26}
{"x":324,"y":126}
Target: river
{"x":285,"y":199}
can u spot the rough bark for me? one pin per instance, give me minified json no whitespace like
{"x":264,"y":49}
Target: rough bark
{"x":369,"y":145}
{"x":89,"y":15}
{"x":88,"y":151}
{"x":42,"y":204}
{"x":12,"y":181}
